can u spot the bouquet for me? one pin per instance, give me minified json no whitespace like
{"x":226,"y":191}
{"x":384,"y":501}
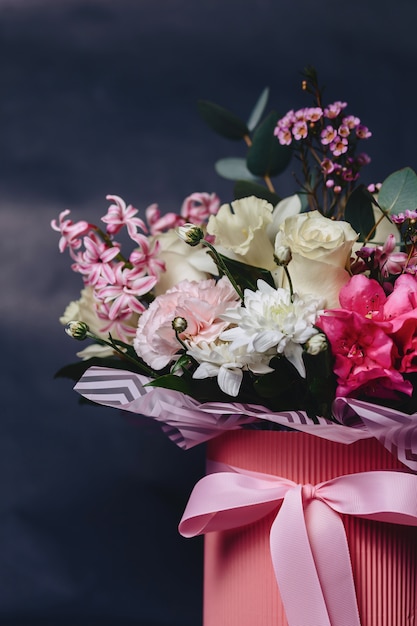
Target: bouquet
{"x":269,"y":313}
{"x":281,"y":303}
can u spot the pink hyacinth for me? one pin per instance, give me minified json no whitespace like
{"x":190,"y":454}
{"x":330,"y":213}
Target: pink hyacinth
{"x":119,"y":215}
{"x":146,"y":257}
{"x":71,"y":232}
{"x":95,"y":263}
{"x":198,"y":207}
{"x":123,"y":295}
{"x":159,"y":223}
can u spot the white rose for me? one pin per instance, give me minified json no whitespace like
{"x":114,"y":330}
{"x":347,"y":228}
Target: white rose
{"x":321,"y":250}
{"x":182,"y":262}
{"x":240,"y":231}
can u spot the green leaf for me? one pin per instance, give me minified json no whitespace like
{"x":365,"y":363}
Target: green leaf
{"x":258,"y":109}
{"x":74,"y":371}
{"x":245,"y":275}
{"x":266,"y":156}
{"x":233,"y":169}
{"x":399,"y":191}
{"x":222,"y":121}
{"x":359,"y":212}
{"x":171,"y":381}
{"x":244,"y":189}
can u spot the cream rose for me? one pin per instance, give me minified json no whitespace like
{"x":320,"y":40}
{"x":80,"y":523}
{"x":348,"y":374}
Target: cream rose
{"x":320,"y":249}
{"x":182,"y":262}
{"x":240,"y":231}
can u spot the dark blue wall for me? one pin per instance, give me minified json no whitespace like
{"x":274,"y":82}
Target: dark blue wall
{"x":99,"y":97}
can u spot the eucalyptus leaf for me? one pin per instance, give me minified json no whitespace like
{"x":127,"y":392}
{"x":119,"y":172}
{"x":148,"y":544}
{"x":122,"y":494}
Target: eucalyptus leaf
{"x":244,"y":189}
{"x":399,"y":191}
{"x":359,"y":212}
{"x":222,"y":121}
{"x":233,"y":168}
{"x":266,"y":156}
{"x":258,"y":109}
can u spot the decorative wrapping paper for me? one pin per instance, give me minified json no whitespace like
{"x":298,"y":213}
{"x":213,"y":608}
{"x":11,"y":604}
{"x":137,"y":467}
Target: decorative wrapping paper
{"x":188,"y":422}
{"x":240,"y":583}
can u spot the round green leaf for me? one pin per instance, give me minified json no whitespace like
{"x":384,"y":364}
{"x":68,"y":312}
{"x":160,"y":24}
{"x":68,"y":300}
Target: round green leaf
{"x":359,"y":212}
{"x":399,"y":191}
{"x":266,"y":156}
{"x":233,"y":169}
{"x":258,"y":109}
{"x":244,"y":188}
{"x":222,"y":121}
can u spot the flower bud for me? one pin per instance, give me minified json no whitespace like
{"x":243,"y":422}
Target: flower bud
{"x":77,"y":330}
{"x":282,"y":255}
{"x":316,"y":344}
{"x":179,"y":324}
{"x":190,"y":233}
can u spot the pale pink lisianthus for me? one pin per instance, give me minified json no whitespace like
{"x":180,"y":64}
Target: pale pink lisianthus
{"x":199,"y":303}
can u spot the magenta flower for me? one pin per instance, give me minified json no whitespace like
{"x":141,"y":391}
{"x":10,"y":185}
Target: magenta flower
{"x":334,"y":109}
{"x":284,"y":136}
{"x":119,"y":215}
{"x":363,"y":295}
{"x":364,"y":356}
{"x":328,"y":135}
{"x":71,"y":232}
{"x":313,"y":114}
{"x":351,"y":121}
{"x":300,"y":130}
{"x":363,"y":132}
{"x":339,"y":146}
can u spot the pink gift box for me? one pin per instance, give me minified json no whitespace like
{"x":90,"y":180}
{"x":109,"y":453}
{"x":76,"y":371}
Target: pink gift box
{"x":240,"y":588}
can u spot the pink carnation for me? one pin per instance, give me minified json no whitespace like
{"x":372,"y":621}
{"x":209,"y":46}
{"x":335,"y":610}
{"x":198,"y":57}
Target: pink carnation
{"x":199,"y":303}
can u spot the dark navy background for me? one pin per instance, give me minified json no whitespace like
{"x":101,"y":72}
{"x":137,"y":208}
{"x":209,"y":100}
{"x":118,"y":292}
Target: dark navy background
{"x":99,"y":97}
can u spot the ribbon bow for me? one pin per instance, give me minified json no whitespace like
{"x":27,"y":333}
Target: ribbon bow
{"x":307,"y":531}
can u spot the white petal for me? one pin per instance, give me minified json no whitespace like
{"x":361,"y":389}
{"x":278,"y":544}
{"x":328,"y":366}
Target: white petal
{"x":230,"y":380}
{"x":294,"y":354}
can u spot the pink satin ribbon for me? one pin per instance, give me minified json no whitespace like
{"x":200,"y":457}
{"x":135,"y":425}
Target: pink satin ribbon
{"x":308,"y":543}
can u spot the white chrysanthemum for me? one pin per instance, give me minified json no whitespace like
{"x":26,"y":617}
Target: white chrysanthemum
{"x":269,"y":320}
{"x":227,"y":364}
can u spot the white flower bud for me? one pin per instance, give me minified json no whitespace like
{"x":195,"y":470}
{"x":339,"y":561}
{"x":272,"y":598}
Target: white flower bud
{"x":190,"y":233}
{"x":179,"y":324}
{"x":77,"y":330}
{"x":316,"y":344}
{"x":282,"y":255}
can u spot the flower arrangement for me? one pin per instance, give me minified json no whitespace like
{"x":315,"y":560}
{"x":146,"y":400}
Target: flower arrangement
{"x":281,"y":303}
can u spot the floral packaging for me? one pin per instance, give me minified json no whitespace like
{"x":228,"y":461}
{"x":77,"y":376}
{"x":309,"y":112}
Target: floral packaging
{"x":270,"y":314}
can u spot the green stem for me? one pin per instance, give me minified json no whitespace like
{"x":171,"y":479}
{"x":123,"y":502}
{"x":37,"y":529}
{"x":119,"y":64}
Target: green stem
{"x":223,"y":267}
{"x":122,"y":353}
{"x":289,"y":282}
